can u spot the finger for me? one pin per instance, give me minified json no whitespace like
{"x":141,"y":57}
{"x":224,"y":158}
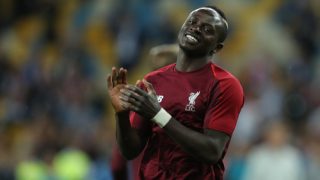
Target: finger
{"x":109,"y":82}
{"x":114,"y":76}
{"x":138,"y":83}
{"x":149,"y":87}
{"x":133,"y":108}
{"x":130,"y":95}
{"x":124,"y":77}
{"x":130,"y":100}
{"x":124,"y":98}
{"x":137,"y":90}
{"x":120,"y":75}
{"x":124,"y":105}
{"x":130,"y":106}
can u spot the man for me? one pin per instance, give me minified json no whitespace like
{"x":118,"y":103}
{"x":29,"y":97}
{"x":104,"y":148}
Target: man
{"x":163,"y":55}
{"x":182,"y":116}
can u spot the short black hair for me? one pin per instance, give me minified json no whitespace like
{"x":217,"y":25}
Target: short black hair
{"x":222,"y":14}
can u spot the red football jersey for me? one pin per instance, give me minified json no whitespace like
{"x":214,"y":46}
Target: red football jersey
{"x":208,"y":98}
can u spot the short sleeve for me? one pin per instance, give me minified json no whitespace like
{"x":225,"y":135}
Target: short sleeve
{"x":226,"y":101}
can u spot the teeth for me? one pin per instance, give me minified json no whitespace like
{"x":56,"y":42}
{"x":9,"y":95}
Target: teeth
{"x":191,"y":38}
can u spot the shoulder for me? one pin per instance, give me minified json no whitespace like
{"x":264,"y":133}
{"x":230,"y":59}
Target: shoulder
{"x":159,"y":71}
{"x":225,"y":79}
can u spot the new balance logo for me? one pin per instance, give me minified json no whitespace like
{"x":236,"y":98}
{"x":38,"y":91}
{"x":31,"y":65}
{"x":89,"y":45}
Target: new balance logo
{"x":159,"y":97}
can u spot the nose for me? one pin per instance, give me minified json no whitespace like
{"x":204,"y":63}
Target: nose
{"x":195,"y":29}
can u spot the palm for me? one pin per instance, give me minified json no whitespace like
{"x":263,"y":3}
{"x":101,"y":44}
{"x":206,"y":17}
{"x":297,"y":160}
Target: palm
{"x":115,"y":97}
{"x":116,"y":82}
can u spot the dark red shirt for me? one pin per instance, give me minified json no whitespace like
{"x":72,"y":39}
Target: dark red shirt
{"x":208,"y":98}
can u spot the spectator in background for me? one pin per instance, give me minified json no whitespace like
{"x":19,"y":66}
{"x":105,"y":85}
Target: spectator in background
{"x":275,"y":158}
{"x":163,"y":55}
{"x":128,"y":41}
{"x":311,"y":146}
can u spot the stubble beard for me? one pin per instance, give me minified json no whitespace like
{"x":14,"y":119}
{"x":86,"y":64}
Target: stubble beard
{"x":196,"y":53}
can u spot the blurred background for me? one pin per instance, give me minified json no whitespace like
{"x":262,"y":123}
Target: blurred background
{"x":55,"y":117}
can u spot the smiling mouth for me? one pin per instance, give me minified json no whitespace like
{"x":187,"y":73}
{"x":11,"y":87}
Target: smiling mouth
{"x":191,"y":38}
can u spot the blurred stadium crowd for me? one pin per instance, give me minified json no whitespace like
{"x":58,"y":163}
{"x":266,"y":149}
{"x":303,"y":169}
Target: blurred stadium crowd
{"x":55,"y":118}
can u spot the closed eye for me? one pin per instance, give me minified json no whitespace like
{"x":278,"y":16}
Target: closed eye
{"x":208,"y":29}
{"x":192,"y":21}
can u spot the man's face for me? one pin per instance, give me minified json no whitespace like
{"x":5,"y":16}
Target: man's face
{"x":200,"y":32}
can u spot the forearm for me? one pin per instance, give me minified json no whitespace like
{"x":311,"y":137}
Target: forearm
{"x":199,"y":145}
{"x":127,"y":137}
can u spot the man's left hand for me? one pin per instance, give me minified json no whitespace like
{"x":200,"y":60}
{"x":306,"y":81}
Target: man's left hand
{"x":140,"y":101}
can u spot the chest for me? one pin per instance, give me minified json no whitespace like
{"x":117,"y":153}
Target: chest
{"x":183,"y":96}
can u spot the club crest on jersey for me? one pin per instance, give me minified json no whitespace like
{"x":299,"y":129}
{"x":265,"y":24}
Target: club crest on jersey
{"x":192,"y":101}
{"x":159,"y":97}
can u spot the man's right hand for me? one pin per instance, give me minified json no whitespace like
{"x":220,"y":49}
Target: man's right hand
{"x":116,"y":81}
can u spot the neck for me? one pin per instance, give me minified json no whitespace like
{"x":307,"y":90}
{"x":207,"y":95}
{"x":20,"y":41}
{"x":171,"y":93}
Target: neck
{"x":187,"y":63}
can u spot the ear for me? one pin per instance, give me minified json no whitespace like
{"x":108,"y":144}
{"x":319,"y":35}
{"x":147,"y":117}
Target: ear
{"x":218,"y":48}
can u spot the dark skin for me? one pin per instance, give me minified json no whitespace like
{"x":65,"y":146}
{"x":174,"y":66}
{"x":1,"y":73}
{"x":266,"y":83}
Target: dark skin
{"x":198,"y":40}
